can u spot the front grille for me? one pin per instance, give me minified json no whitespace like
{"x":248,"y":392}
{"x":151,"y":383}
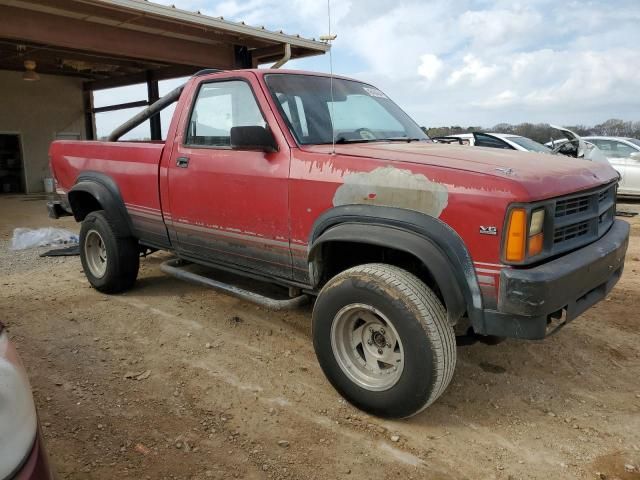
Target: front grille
{"x":570,"y":232}
{"x":572,"y":206}
{"x":582,"y":218}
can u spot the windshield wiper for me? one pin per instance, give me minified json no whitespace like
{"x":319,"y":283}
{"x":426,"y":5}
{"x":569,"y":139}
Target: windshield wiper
{"x":402,"y":139}
{"x":358,"y":140}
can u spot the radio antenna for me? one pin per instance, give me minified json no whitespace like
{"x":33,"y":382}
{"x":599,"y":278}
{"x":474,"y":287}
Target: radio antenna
{"x":328,"y":38}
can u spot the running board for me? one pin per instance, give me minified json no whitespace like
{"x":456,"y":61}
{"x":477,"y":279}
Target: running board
{"x":172,"y":267}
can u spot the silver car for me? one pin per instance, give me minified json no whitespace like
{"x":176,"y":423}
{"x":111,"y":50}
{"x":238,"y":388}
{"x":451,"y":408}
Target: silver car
{"x":624,"y":155}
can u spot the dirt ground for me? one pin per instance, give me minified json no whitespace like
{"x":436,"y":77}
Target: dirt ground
{"x":177,"y":381}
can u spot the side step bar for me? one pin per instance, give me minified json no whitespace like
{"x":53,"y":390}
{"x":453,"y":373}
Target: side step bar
{"x":172,"y":267}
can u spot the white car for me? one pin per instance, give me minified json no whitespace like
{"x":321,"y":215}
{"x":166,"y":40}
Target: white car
{"x":623,"y":154}
{"x":506,"y":141}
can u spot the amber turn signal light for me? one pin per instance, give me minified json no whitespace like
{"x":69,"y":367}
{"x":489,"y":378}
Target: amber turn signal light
{"x":516,"y":235}
{"x":535,"y":244}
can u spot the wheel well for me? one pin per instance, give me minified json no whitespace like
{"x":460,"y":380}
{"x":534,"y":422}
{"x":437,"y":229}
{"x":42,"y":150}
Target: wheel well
{"x":82,"y":204}
{"x":337,"y":256}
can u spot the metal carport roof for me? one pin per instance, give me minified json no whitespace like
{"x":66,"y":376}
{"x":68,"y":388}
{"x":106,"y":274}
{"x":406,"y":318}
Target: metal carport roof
{"x":108,"y":41}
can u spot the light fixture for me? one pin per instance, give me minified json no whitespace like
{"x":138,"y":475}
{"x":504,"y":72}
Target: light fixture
{"x":30,"y":74}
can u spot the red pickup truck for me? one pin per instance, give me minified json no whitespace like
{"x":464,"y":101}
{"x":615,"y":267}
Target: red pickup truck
{"x":325,"y":186}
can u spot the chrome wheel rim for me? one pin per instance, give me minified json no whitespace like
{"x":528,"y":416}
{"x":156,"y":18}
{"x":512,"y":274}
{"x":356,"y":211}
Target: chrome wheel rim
{"x":95,"y":253}
{"x":367,"y":347}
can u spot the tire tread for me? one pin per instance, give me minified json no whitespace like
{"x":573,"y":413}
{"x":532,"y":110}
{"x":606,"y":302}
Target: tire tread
{"x":430,"y":313}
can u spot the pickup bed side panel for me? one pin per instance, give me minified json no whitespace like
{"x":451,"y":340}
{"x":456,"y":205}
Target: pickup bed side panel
{"x":133,"y":167}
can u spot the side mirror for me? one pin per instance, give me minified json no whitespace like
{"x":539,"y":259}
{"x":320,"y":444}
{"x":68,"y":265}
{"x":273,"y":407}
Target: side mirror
{"x":635,"y":156}
{"x":252,"y":138}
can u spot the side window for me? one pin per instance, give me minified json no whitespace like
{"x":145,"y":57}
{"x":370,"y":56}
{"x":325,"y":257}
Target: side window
{"x":623,"y":150}
{"x":218,"y":107}
{"x":482,"y":140}
{"x":605,"y":145}
{"x":614,"y":149}
{"x":294,"y":110}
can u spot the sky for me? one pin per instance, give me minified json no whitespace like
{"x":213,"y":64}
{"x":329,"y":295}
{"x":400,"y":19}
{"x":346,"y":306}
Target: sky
{"x":462,"y":62}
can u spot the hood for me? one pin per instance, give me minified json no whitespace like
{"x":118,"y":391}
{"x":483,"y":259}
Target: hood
{"x":572,"y":137}
{"x":541,"y":175}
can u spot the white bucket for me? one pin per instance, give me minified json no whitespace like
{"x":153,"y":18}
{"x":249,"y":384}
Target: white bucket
{"x":49,"y":185}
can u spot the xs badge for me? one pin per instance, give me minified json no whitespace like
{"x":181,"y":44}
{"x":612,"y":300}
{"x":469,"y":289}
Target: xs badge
{"x":488,"y":230}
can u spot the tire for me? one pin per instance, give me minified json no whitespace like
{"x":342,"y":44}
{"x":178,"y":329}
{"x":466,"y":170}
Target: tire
{"x":383,"y":340}
{"x":110,"y":261}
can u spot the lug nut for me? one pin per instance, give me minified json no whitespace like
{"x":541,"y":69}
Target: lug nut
{"x":382,"y":331}
{"x":379,"y":351}
{"x":369,"y":342}
{"x":388,"y":345}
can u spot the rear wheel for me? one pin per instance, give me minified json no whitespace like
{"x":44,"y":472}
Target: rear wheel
{"x":110,"y":261}
{"x":383,"y":340}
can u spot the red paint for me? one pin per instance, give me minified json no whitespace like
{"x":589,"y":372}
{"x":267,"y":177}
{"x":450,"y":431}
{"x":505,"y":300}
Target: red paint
{"x":277,"y":196}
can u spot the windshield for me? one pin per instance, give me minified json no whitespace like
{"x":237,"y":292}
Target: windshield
{"x":529,"y":144}
{"x":635,"y":141}
{"x":360,"y":112}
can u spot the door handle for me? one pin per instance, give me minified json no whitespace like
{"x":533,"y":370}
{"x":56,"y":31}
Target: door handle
{"x":182,"y":162}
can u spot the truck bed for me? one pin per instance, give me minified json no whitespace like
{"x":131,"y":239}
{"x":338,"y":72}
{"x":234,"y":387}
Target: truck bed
{"x":133,"y":166}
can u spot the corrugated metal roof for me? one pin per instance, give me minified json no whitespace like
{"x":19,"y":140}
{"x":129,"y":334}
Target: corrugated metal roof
{"x":104,"y":39}
{"x":219,"y":23}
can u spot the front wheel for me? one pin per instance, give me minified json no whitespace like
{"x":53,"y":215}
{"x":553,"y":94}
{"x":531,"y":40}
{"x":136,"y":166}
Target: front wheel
{"x":383,"y":340}
{"x":110,"y":262}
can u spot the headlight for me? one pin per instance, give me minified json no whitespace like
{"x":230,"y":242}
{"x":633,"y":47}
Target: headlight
{"x":537,"y":222}
{"x":18,"y":421}
{"x":521,"y":242}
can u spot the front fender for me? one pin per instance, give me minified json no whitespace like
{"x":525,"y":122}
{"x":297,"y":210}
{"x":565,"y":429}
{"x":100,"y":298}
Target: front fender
{"x":420,"y":247}
{"x":427,"y":238}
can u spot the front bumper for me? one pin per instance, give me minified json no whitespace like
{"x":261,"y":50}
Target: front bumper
{"x":529,"y":299}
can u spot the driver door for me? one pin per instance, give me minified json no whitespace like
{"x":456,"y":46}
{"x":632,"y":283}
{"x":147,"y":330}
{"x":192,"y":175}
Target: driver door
{"x":229,"y":206}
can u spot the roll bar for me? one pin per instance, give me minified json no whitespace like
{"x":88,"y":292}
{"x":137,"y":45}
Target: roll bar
{"x":150,"y":111}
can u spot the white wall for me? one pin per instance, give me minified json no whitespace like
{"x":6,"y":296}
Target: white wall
{"x":38,"y":111}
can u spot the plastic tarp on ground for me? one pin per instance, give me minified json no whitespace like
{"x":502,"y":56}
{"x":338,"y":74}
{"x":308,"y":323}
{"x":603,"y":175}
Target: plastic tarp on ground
{"x":24,"y":238}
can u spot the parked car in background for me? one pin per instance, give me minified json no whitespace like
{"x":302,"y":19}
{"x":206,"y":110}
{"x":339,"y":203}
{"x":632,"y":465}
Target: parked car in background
{"x":22,"y":453}
{"x":505,"y":141}
{"x":622,"y":153}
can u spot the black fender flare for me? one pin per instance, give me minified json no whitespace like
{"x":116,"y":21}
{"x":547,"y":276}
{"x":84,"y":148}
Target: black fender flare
{"x":106,"y":192}
{"x":427,"y":238}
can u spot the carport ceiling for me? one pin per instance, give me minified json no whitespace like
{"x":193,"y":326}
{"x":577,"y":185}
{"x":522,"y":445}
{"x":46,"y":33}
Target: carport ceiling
{"x":119,"y":39}
{"x":66,"y":61}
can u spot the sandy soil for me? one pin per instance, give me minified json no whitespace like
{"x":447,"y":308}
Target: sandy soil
{"x":173,"y":380}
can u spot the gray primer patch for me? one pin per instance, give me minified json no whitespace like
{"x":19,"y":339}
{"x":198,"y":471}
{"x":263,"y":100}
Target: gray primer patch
{"x":393,"y":187}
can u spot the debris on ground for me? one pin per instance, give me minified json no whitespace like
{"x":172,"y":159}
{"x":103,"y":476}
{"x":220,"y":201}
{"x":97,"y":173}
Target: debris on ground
{"x":623,"y":213}
{"x":71,"y":251}
{"x":137,"y":375}
{"x":25,"y":238}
